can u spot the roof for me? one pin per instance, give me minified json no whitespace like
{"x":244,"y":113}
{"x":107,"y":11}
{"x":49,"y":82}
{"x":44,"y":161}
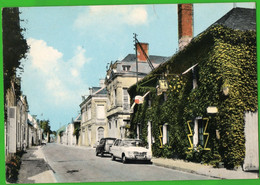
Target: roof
{"x":239,"y":18}
{"x":98,"y":90}
{"x":117,"y":68}
{"x":154,"y":59}
{"x":63,"y":128}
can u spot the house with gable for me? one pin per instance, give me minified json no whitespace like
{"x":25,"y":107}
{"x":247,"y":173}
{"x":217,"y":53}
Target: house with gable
{"x":207,"y":111}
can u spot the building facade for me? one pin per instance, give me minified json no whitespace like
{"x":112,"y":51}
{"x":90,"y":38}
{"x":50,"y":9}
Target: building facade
{"x":208,"y":111}
{"x":93,"y":116}
{"x":120,"y":76}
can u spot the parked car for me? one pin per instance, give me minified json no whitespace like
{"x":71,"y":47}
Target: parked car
{"x":130,"y":149}
{"x":104,"y":145}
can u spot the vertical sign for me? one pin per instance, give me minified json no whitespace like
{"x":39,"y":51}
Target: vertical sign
{"x":12,"y":129}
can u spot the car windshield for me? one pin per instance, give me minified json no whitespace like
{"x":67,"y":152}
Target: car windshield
{"x":132,"y":143}
{"x":110,"y":141}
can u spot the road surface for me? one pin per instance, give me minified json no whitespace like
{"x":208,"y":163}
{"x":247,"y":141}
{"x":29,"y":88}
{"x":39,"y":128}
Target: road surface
{"x":80,"y":164}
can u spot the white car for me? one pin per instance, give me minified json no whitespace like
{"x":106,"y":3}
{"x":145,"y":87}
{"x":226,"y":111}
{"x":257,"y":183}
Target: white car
{"x":130,"y":149}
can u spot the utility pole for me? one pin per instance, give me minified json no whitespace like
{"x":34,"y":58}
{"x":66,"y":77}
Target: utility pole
{"x":135,"y":44}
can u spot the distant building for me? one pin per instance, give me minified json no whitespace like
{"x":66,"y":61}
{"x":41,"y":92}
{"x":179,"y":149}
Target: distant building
{"x":61,"y":135}
{"x":37,"y":133}
{"x":93,"y":116}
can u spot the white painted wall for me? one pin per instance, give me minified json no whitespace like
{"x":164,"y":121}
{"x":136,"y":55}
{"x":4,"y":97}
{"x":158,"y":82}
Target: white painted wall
{"x":251,"y":161}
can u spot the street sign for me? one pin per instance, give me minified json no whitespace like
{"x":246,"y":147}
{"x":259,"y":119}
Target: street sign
{"x":212,"y":110}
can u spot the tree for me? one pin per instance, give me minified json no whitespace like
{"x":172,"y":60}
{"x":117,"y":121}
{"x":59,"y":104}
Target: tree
{"x":14,"y":48}
{"x":45,"y":125}
{"x":76,"y":131}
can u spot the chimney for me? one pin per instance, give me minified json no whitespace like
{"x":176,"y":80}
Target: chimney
{"x":185,"y":24}
{"x":140,"y":54}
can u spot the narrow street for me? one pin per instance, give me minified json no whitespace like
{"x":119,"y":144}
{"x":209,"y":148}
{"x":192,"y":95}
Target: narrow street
{"x":79,"y":164}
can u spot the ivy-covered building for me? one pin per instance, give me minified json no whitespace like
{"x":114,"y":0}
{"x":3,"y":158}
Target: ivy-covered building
{"x":202,"y":103}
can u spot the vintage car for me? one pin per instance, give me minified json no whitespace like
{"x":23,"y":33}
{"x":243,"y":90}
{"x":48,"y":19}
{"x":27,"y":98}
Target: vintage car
{"x":130,"y":149}
{"x":104,"y":145}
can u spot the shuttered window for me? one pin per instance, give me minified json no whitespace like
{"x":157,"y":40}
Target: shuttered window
{"x":126,"y":104}
{"x":100,"y":112}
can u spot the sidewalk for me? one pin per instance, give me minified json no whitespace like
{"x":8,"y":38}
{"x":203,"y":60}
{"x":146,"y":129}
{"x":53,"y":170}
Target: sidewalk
{"x":34,"y":168}
{"x":206,"y":170}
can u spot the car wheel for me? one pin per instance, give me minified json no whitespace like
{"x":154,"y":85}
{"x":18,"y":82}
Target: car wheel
{"x":96,"y":153}
{"x":113,"y":158}
{"x":102,"y":154}
{"x":124,"y":160}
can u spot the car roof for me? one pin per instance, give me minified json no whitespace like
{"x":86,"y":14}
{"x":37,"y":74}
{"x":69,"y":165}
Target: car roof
{"x":109,"y":138}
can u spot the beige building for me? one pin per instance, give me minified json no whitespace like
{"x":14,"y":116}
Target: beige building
{"x":16,"y":127}
{"x":120,"y":76}
{"x":93,"y":116}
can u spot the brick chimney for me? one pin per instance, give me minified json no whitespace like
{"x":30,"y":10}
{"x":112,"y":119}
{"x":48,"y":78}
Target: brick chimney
{"x":185,"y":24}
{"x":140,"y":54}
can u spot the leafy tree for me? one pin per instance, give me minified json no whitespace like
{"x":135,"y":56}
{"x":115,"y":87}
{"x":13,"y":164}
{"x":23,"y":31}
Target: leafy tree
{"x":14,"y":48}
{"x":54,"y":133}
{"x":45,"y":125}
{"x":76,"y":131}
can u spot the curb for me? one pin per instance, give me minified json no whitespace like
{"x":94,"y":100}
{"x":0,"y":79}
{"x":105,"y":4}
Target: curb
{"x":51,"y":171}
{"x":185,"y":170}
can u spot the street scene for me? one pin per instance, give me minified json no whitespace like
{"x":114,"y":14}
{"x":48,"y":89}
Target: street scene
{"x":130,"y":93}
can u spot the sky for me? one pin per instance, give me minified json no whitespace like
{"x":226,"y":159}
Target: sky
{"x":70,"y":48}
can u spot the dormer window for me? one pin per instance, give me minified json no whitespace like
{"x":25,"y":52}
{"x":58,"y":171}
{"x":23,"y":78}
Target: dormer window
{"x":126,"y":68}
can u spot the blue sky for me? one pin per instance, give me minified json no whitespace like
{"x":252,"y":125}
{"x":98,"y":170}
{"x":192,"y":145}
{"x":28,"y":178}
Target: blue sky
{"x":71,"y":46}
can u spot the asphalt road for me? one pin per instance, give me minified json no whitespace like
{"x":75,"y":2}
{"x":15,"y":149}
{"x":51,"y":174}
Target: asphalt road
{"x":80,"y":164}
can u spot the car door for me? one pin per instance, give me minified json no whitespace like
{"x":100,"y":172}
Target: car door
{"x":113,"y":148}
{"x":116,"y":148}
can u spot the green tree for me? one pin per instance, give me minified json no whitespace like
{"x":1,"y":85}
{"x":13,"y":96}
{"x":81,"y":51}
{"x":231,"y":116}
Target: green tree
{"x":14,"y":48}
{"x":76,"y":131}
{"x":45,"y":125}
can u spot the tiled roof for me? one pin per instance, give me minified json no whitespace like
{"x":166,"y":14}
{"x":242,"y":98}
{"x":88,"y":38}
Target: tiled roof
{"x":154,"y":59}
{"x":101,"y":91}
{"x":239,"y":18}
{"x":143,"y":67}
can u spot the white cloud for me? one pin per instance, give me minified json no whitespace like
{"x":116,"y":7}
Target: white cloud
{"x":62,"y":80}
{"x":43,"y":57}
{"x":110,"y":16}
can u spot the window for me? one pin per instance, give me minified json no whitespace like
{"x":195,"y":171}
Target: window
{"x":201,"y":130}
{"x":116,"y":123}
{"x":165,"y":134}
{"x":198,"y":129}
{"x":138,"y":131}
{"x":126,"y":104}
{"x":109,"y":125}
{"x":115,"y":97}
{"x":126,"y":68}
{"x":89,"y":111}
{"x":100,"y":111}
{"x":149,"y":100}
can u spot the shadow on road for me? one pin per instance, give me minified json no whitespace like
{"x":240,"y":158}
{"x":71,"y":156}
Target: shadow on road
{"x":134,"y":162}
